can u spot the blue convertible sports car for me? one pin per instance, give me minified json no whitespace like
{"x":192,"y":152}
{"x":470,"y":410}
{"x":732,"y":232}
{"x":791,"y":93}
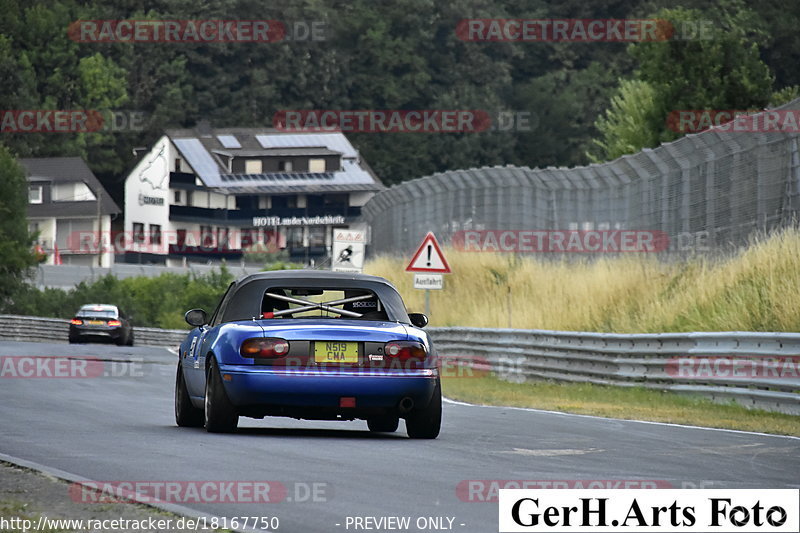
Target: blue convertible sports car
{"x":310,"y":345}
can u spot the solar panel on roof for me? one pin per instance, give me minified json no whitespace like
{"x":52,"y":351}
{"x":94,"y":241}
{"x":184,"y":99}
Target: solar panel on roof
{"x":336,"y":142}
{"x":263,"y":140}
{"x":229,"y":141}
{"x":199,"y":159}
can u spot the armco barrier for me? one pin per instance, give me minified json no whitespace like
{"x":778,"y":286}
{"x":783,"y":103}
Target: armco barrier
{"x":30,"y":328}
{"x":602,"y":358}
{"x":642,"y":360}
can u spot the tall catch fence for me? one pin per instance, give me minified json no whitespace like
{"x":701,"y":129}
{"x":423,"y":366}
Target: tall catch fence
{"x":707,"y":191}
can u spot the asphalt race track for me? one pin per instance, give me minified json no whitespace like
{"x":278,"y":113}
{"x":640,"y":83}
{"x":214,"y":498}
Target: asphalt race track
{"x":120,"y":427}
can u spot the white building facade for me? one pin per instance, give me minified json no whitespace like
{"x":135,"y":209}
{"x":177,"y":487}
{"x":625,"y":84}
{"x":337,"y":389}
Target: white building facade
{"x":212,"y":194}
{"x":69,"y":211}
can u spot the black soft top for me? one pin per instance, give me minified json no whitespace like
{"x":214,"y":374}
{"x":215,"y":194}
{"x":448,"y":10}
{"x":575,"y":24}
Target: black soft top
{"x":243,"y":300}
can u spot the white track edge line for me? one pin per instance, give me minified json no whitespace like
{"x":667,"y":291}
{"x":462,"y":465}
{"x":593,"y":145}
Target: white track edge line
{"x":668,"y":424}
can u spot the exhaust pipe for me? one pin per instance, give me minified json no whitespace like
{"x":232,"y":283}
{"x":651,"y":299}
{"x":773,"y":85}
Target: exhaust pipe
{"x":406,"y":405}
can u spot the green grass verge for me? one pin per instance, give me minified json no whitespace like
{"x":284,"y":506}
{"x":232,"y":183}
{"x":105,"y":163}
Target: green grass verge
{"x":631,"y":403}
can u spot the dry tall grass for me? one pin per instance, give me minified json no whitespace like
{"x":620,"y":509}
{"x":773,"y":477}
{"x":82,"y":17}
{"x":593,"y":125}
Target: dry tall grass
{"x":758,"y":289}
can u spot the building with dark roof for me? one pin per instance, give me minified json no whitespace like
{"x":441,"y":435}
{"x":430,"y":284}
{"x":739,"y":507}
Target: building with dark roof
{"x":214,"y":193}
{"x":69,"y":210}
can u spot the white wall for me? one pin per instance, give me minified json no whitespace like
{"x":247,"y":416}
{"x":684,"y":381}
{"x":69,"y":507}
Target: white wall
{"x":47,"y":235}
{"x":149,"y":179}
{"x":218,"y":201}
{"x":358,"y":199}
{"x":200,"y":199}
{"x":71,"y":192}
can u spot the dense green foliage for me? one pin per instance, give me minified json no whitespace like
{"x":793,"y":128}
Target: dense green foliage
{"x":157,"y":302}
{"x":720,"y":70}
{"x":15,"y":241}
{"x":377,"y":55}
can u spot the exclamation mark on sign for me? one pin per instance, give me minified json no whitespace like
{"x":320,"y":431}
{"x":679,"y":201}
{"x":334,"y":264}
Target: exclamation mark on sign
{"x":430,"y":249}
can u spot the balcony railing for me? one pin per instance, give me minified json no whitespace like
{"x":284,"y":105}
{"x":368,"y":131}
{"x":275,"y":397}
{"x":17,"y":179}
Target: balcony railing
{"x":205,"y":252}
{"x":201,"y":214}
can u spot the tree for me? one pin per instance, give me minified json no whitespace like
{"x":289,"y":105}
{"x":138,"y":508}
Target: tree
{"x":634,"y":120}
{"x":16,"y":256}
{"x":722,"y":71}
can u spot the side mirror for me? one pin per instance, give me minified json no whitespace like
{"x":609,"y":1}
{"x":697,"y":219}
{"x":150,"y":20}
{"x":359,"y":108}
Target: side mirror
{"x":196,"y":317}
{"x":419,"y":320}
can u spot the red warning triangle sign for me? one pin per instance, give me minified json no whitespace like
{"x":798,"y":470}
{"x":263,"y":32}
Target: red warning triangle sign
{"x":429,"y":257}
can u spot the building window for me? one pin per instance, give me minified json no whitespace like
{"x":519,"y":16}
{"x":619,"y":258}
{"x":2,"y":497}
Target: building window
{"x":249,"y":237}
{"x":284,"y":201}
{"x":252,"y":166}
{"x":316,"y":165}
{"x":180,"y":238}
{"x":177,"y":197}
{"x":188,"y":197}
{"x":177,"y":164}
{"x":206,"y":236}
{"x":285,"y":166}
{"x":316,"y":235}
{"x":222,"y":238}
{"x":35,"y":194}
{"x":336,"y":200}
{"x":138,"y":233}
{"x":294,"y":237}
{"x":155,"y":234}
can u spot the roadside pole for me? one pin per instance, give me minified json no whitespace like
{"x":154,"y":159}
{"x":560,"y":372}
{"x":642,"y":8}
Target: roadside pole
{"x":427,"y":302}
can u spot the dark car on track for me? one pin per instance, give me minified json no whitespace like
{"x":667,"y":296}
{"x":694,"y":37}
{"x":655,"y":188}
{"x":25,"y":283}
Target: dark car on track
{"x":100,"y":322}
{"x":313,"y":345}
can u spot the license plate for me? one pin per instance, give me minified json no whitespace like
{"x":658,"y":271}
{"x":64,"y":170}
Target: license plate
{"x":97,"y":323}
{"x":336,"y":352}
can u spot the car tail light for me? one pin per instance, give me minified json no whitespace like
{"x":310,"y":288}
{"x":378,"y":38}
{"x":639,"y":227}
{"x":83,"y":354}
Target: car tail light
{"x":76,"y":322}
{"x":114,"y":323}
{"x":405,"y":350}
{"x":264,"y":347}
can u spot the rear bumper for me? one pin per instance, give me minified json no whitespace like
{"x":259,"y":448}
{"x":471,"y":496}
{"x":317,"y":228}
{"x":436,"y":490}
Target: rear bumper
{"x":299,"y":388}
{"x":114,"y":333}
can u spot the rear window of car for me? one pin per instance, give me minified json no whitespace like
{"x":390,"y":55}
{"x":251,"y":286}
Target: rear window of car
{"x":305,"y":302}
{"x":97,"y":313}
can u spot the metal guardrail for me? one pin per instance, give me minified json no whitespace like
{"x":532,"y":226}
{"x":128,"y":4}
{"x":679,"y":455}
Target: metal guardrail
{"x":679,"y":362}
{"x":30,"y":328}
{"x":655,"y":360}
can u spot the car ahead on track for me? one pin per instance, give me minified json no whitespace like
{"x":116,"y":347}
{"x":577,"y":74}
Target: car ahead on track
{"x":315,"y":345}
{"x":100,"y":321}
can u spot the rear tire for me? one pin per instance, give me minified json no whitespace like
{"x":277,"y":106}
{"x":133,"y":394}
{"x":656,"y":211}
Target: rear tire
{"x":186,"y":414}
{"x":220,"y":414}
{"x":426,"y":423}
{"x":383,"y":424}
{"x":130,"y":340}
